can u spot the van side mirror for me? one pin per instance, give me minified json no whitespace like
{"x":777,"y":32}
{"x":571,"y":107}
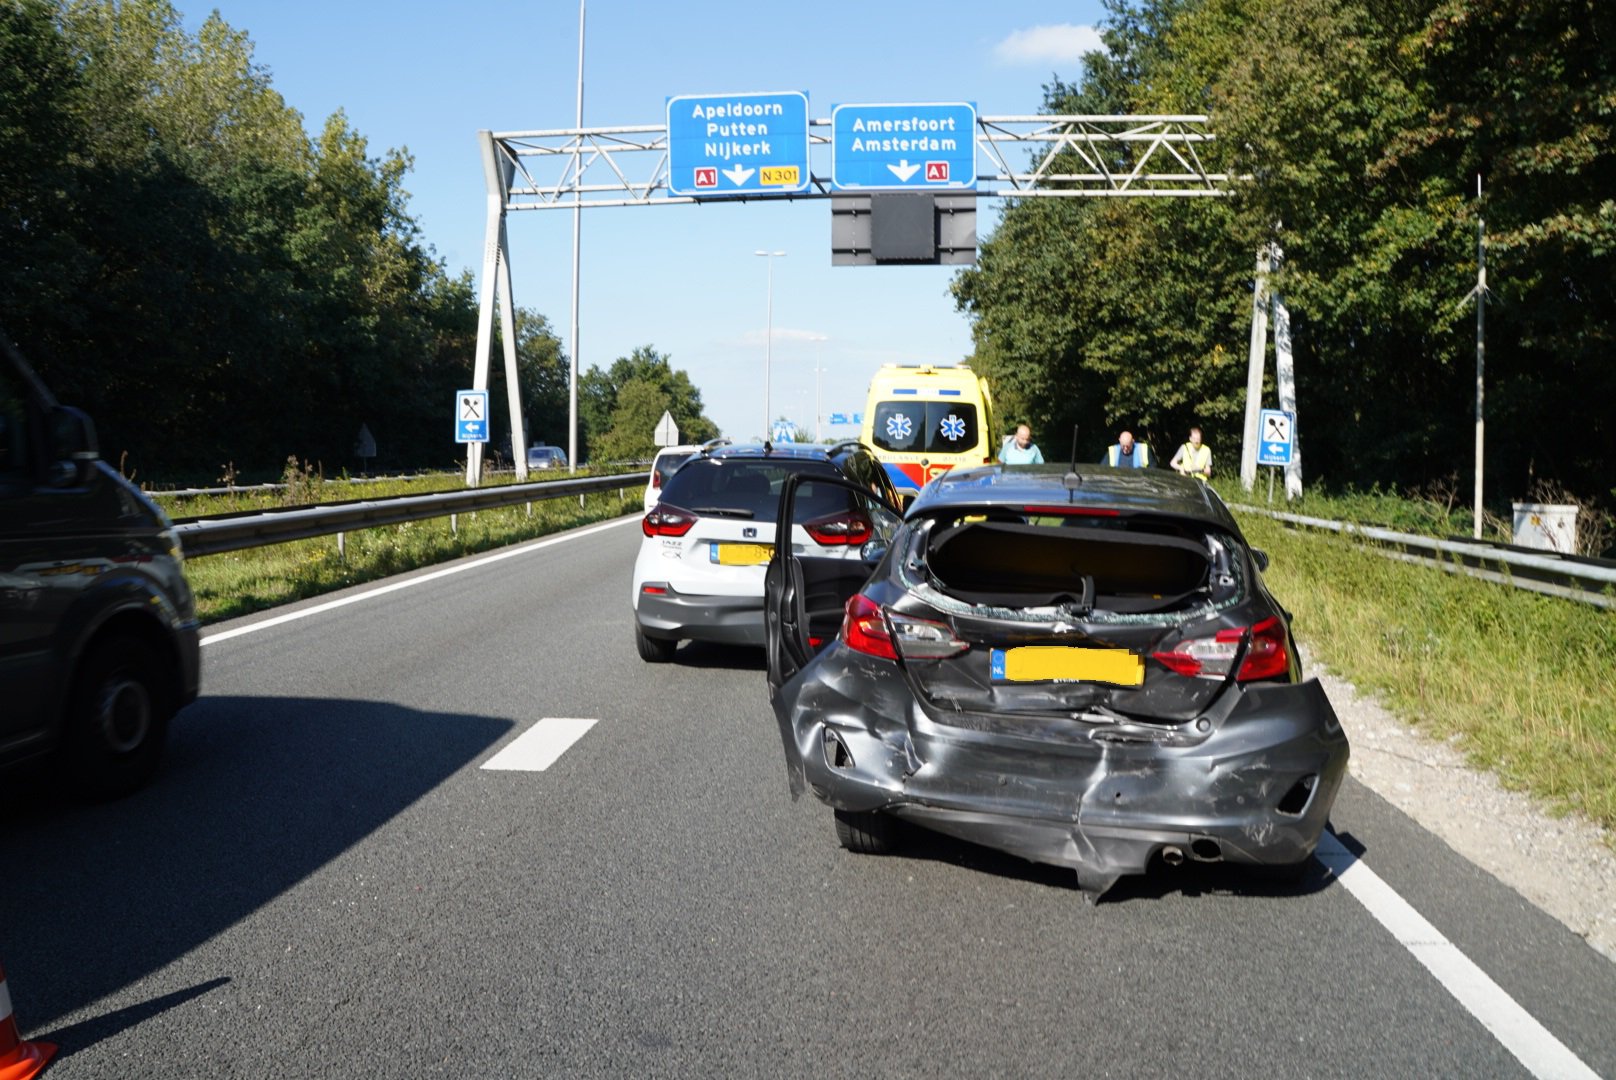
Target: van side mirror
{"x":70,"y":438}
{"x":1260,"y":557}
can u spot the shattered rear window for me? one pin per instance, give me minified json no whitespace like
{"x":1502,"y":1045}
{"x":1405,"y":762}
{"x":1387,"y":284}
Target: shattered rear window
{"x":1031,"y":566}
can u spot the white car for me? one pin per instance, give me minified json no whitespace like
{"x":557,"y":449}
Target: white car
{"x":663,"y":465}
{"x":708,"y":540}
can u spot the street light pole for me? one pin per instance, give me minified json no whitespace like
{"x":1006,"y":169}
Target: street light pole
{"x":819,"y":369}
{"x":768,"y":345}
{"x":577,"y":230}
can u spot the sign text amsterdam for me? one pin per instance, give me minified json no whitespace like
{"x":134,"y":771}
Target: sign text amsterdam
{"x":924,"y":147}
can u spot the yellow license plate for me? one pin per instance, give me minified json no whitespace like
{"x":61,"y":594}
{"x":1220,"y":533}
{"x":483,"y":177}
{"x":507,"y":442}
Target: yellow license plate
{"x":742,"y":554}
{"x":1044,"y":663}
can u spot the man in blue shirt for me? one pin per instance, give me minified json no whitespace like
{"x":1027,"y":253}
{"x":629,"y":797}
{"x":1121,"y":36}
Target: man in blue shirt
{"x":1019,"y":449}
{"x":1127,"y":454}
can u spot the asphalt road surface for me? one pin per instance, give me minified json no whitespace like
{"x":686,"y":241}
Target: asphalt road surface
{"x":326,"y":881}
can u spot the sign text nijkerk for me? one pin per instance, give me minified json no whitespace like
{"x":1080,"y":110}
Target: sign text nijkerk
{"x":738,"y":144}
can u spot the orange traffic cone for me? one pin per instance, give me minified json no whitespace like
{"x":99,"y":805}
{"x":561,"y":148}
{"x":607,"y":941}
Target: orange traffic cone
{"x":18,"y":1060}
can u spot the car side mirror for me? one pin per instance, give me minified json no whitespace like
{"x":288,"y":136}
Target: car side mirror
{"x":70,"y":435}
{"x":1260,"y":557}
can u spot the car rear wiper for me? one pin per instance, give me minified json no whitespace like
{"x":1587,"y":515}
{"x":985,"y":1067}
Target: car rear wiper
{"x":725,"y":511}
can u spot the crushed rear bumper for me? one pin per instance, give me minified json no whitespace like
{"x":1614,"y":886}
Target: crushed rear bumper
{"x":1252,"y":781}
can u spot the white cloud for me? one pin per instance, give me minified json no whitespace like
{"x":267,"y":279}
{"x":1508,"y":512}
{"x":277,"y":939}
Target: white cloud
{"x":781,"y":333}
{"x":1062,"y":43}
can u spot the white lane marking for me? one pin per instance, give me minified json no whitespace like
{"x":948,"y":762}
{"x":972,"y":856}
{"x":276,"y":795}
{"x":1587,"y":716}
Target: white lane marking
{"x":539,"y":747}
{"x":509,"y":553}
{"x":1543,"y":1055}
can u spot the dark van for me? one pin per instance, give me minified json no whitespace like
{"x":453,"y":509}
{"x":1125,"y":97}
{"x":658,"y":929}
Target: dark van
{"x":98,"y":630}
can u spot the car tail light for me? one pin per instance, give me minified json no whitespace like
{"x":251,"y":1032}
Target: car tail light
{"x":656,"y":479}
{"x":864,"y":628}
{"x":667,"y":520}
{"x":1267,"y":657}
{"x":846,"y":527}
{"x":874,"y":631}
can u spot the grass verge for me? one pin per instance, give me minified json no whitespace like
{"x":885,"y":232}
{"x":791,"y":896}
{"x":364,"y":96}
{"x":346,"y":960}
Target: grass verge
{"x":241,"y":582}
{"x":1520,"y":682}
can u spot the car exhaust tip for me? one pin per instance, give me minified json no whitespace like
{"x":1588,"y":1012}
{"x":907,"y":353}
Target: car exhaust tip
{"x":1173,"y":855}
{"x":1206,"y":850}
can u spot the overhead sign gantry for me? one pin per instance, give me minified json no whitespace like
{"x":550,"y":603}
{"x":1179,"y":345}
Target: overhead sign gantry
{"x":874,"y":160}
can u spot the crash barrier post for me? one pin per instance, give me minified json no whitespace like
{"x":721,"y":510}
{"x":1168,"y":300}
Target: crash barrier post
{"x":18,"y":1060}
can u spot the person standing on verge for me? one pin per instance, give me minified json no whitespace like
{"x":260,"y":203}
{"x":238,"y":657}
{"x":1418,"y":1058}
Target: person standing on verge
{"x":1127,"y":454}
{"x":1193,"y":458}
{"x":1019,"y":449}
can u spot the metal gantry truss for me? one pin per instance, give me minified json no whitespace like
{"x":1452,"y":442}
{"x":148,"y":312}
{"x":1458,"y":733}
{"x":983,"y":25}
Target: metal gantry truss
{"x":1104,"y":156}
{"x":1068,"y":156}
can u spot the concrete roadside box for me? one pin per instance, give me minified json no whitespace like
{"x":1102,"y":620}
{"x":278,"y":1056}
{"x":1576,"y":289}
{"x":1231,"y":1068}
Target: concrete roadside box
{"x":1550,"y":526}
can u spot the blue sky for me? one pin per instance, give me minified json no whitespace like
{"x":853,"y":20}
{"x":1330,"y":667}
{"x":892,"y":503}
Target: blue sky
{"x":680,"y":278}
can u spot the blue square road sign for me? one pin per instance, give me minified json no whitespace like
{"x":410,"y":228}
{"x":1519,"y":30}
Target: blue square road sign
{"x":904,"y":147}
{"x":738,"y":144}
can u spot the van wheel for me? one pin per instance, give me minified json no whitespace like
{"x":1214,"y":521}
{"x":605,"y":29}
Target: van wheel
{"x":868,"y":832}
{"x":117,"y":719}
{"x":653,"y":650}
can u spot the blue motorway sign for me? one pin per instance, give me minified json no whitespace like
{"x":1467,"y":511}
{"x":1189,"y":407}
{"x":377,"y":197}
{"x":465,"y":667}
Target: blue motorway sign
{"x":904,"y":147}
{"x":1276,"y":430}
{"x":471,"y":416}
{"x":738,"y":144}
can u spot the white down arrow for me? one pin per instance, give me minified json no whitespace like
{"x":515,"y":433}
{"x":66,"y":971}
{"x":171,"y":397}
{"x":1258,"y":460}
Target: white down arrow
{"x":739,"y":175}
{"x":903,"y":170}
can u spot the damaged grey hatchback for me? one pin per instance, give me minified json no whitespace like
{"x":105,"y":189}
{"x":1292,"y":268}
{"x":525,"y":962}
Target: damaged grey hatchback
{"x":1079,"y":668}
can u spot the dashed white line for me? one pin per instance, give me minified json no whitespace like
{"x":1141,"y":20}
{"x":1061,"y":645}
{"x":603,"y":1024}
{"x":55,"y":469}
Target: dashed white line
{"x":1533,"y":1046}
{"x":541,"y":745}
{"x":317,"y":609}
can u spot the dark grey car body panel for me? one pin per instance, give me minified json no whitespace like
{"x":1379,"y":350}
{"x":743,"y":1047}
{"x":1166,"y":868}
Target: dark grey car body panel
{"x":1102,"y":779}
{"x":84,"y":555}
{"x":1102,"y":798}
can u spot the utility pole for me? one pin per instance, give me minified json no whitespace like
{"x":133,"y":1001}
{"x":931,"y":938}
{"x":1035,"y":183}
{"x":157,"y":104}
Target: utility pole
{"x":1481,"y":350}
{"x":577,"y":229}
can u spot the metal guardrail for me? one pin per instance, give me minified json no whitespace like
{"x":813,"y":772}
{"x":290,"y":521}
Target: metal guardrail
{"x":261,"y":528}
{"x":1591,"y":581}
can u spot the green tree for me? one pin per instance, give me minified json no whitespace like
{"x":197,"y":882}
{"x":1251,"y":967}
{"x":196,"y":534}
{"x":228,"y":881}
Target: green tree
{"x":598,"y":393}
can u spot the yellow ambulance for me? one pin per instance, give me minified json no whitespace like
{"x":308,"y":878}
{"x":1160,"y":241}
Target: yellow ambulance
{"x":922,"y":420}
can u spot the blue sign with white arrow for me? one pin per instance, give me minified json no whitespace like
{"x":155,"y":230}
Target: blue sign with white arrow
{"x":471,"y":416}
{"x":738,"y":144}
{"x":924,"y":147}
{"x":1276,"y":431}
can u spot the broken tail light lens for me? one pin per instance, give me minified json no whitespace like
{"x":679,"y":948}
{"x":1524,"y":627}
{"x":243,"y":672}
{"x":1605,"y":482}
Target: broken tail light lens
{"x":869,"y":629}
{"x":846,"y":527}
{"x":864,"y":628}
{"x":1267,"y":658}
{"x":667,"y":521}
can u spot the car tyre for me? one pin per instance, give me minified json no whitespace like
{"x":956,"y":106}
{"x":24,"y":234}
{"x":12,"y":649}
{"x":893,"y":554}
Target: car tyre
{"x":654,"y":650}
{"x":117,"y":719}
{"x":868,"y":832}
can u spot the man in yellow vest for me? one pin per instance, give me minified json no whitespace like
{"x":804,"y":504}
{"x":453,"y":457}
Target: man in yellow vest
{"x":1127,"y":454}
{"x":1193,"y":458}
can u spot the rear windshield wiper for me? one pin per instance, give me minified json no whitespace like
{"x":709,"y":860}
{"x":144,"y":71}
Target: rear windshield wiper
{"x":725,"y":511}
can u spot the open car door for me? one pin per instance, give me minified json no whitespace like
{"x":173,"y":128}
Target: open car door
{"x":830,"y":534}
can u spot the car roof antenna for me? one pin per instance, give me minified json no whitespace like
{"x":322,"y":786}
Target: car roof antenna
{"x":1072,"y":481}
